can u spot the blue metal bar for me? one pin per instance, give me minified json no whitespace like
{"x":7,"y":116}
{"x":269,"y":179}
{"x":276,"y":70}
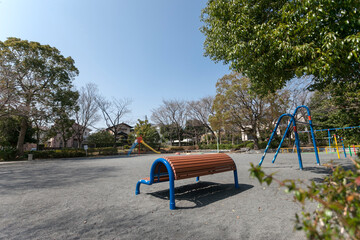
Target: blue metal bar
{"x":297,"y":142}
{"x":331,"y":129}
{"x":282,"y":140}
{"x":132,"y":147}
{"x":236,"y":179}
{"x":152,"y":173}
{"x":267,"y":146}
{"x":159,"y":174}
{"x":197,"y":179}
{"x":329,"y":138}
{"x":311,"y":130}
{"x":273,"y":134}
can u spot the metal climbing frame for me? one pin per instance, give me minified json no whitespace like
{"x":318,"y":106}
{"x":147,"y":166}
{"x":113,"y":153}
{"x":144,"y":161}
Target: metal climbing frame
{"x":297,"y":142}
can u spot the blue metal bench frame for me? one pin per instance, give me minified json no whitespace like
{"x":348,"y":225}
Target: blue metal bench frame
{"x":171,"y":179}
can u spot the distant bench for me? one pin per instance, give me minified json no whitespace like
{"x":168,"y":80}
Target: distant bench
{"x":181,"y":167}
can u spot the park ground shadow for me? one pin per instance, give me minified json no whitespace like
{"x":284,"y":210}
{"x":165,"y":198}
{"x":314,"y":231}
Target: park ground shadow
{"x":203,"y":193}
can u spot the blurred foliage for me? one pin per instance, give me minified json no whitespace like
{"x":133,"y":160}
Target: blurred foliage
{"x":8,"y":153}
{"x":338,"y":198}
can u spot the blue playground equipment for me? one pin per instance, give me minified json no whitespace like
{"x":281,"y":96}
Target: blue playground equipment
{"x":330,"y":137}
{"x":297,"y":141}
{"x":132,"y":147}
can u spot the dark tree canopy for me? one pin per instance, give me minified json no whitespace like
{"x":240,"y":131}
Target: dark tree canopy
{"x":31,"y":76}
{"x":272,"y":41}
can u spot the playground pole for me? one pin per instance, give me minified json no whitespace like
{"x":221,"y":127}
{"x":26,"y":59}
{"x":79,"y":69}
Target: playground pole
{"x":354,"y":150}
{"x":267,"y":146}
{"x":329,"y":138}
{"x":313,"y":137}
{"x":282,"y":140}
{"x":350,"y":151}
{"x":298,"y":146}
{"x":311,"y":130}
{"x":337,"y":148}
{"x":297,"y":142}
{"x":343,"y":147}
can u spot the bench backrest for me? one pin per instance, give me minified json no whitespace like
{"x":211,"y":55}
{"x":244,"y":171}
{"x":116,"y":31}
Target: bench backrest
{"x":197,"y":165}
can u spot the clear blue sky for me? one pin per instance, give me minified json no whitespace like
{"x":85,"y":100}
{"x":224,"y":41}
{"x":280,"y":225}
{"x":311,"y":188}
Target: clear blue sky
{"x":145,"y":50}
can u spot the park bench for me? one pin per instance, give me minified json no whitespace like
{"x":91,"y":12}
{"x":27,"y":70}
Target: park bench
{"x":181,"y":167}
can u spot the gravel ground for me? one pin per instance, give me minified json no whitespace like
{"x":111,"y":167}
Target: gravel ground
{"x":95,"y":199}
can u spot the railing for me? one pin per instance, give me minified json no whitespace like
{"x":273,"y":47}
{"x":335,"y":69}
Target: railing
{"x":351,"y":150}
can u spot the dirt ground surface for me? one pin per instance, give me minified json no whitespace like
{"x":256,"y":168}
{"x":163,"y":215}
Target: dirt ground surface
{"x":94,"y":198}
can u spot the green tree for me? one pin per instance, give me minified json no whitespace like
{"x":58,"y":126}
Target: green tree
{"x":101,"y":139}
{"x":35,"y":74}
{"x":148,"y":132}
{"x":169,"y":132}
{"x":338,"y":106}
{"x":9,"y":131}
{"x":63,"y":108}
{"x":271,"y":42}
{"x":236,"y":104}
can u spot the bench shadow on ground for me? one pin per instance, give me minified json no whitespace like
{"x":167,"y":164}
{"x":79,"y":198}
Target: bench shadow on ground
{"x":202,"y":193}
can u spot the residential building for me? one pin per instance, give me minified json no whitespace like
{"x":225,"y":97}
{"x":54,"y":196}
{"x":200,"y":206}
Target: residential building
{"x":72,"y":142}
{"x":123,"y":130}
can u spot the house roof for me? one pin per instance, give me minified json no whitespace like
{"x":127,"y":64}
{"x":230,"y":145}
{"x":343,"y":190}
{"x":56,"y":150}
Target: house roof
{"x":121,"y":124}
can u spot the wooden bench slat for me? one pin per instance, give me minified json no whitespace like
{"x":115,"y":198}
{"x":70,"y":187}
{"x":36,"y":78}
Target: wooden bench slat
{"x":202,"y":167}
{"x":212,"y":163}
{"x":199,"y":165}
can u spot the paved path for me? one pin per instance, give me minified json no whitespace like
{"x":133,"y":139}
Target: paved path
{"x":94,"y":199}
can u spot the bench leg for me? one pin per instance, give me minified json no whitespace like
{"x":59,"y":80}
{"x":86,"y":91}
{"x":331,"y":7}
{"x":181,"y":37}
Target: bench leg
{"x":172,"y":194}
{"x":137,"y":189}
{"x":236,"y":179}
{"x":197,"y":179}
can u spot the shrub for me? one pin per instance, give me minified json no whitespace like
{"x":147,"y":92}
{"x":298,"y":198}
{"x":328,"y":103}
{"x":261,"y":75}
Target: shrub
{"x":250,"y":145}
{"x":338,"y":214}
{"x":176,"y":148}
{"x":262,"y":145}
{"x":108,"y":151}
{"x":8,"y":154}
{"x":65,"y":153}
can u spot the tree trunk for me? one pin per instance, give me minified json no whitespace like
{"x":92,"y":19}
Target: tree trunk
{"x":309,"y":138}
{"x":37,"y":138}
{"x":115,"y":139}
{"x":179,"y":139}
{"x":256,"y":143}
{"x":21,"y":139}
